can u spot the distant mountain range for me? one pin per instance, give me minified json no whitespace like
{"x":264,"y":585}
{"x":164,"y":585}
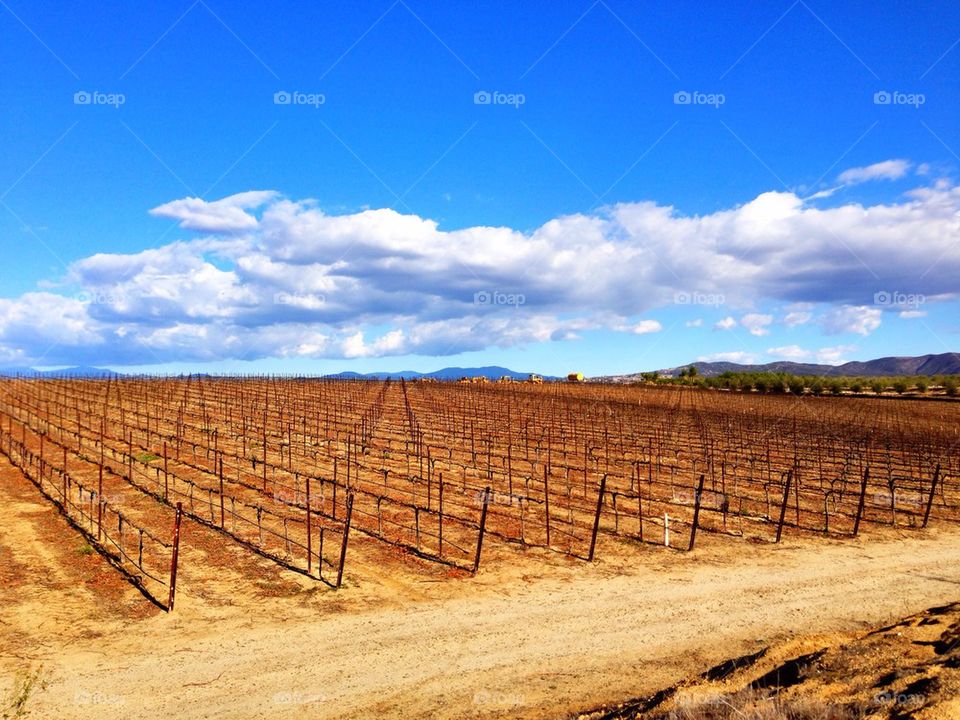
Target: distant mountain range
{"x":79,"y":371}
{"x":943,"y":364}
{"x":492,"y":372}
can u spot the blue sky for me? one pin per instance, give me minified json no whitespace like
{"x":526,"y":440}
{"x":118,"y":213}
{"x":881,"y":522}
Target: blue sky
{"x":163,"y":208}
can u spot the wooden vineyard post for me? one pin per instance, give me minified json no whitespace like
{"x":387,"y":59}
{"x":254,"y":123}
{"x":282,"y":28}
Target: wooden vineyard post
{"x":220,"y":469}
{"x":175,"y":557}
{"x":429,"y":478}
{"x":863,"y":497}
{"x":309,"y":534}
{"x":783,"y":505}
{"x":483,"y":526}
{"x":440,"y":501}
{"x":696,"y":513}
{"x":933,"y":490}
{"x":100,"y":489}
{"x":586,"y":464}
{"x":264,"y":448}
{"x":166,"y":483}
{"x":596,"y":518}
{"x":639,"y":508}
{"x":334,"y":501}
{"x":546,"y":501}
{"x":346,"y":533}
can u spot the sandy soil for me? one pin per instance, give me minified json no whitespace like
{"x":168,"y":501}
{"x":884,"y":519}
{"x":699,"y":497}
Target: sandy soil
{"x":533,"y":635}
{"x":906,"y":670}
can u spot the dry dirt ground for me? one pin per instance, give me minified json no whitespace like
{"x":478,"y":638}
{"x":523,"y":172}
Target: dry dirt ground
{"x":907,"y":669}
{"x":534,"y":634}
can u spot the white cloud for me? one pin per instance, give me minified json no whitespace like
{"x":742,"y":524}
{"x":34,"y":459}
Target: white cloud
{"x":797,"y":318}
{"x":744,"y":358}
{"x":836,"y":355}
{"x":644,"y":327}
{"x":757,"y":323}
{"x":220,"y":216}
{"x":408,"y":286}
{"x":697,"y":322}
{"x":824,"y":356}
{"x":886,"y":170}
{"x":790,"y":352}
{"x":860,"y":319}
{"x":728,"y":323}
{"x":824,"y":193}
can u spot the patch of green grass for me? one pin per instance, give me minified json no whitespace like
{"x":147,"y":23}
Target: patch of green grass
{"x":24,"y":685}
{"x":85,"y":550}
{"x":147,"y":457}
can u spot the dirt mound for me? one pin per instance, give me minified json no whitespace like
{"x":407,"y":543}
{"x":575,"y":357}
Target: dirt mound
{"x":909,"y":670}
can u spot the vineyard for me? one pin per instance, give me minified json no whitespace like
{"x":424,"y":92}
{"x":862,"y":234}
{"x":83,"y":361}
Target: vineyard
{"x":291,"y":469}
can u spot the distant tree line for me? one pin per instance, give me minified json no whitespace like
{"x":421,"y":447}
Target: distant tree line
{"x":782,"y":383}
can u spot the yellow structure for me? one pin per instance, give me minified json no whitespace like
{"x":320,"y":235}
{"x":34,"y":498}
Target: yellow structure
{"x":535,"y":379}
{"x":575,"y":377}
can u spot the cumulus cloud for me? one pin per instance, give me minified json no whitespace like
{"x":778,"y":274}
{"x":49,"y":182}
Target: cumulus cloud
{"x":737,"y":356}
{"x":789,"y":352}
{"x":835,"y":355}
{"x":224,"y":216}
{"x":728,"y":323}
{"x":757,"y":323}
{"x":797,"y":317}
{"x":274,"y":277}
{"x":886,"y":170}
{"x":644,"y":327}
{"x":859,"y":319}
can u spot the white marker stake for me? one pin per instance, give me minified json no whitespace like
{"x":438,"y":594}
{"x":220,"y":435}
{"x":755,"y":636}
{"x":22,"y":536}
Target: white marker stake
{"x":666,"y":530}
